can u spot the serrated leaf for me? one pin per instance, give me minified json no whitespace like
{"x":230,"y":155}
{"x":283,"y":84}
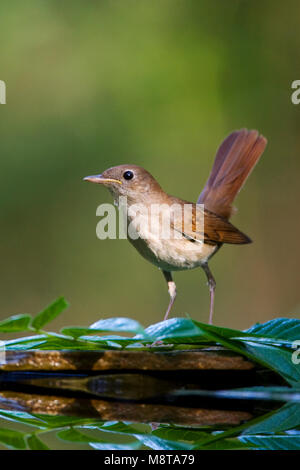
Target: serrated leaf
{"x":49,"y":313}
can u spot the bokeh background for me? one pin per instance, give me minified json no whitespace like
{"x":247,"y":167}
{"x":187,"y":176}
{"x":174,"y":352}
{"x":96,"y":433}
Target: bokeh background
{"x":157,"y":83}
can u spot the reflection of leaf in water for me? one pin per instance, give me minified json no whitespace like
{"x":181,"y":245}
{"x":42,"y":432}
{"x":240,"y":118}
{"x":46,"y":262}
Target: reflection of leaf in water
{"x":23,"y":417}
{"x":165,"y":437}
{"x":287,"y":417}
{"x":113,"y":446}
{"x":273,"y":442}
{"x":12,"y":439}
{"x":277,"y":358}
{"x":268,"y":344}
{"x":156,"y":443}
{"x":74,"y":435}
{"x":34,"y":443}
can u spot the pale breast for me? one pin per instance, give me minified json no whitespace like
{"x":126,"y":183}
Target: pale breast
{"x":170,"y":254}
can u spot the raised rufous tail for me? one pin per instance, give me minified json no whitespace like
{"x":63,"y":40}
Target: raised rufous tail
{"x":235,"y":159}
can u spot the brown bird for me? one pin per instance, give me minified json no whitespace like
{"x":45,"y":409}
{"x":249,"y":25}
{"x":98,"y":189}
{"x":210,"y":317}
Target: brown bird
{"x":197,"y":233}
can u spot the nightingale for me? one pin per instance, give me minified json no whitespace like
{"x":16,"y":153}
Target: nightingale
{"x":204,"y":228}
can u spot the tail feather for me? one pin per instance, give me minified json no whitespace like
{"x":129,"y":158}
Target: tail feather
{"x":235,"y":159}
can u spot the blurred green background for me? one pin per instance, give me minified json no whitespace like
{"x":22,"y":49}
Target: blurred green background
{"x":157,"y":83}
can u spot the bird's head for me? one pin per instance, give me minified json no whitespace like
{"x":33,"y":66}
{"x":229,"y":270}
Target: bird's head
{"x":132,"y":181}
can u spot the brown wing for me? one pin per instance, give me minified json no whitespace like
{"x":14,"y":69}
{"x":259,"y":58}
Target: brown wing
{"x":215,"y":229}
{"x":235,"y":159}
{"x":220,"y":230}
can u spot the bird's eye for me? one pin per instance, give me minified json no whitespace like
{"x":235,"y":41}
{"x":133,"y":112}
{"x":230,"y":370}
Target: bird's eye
{"x":128,"y":175}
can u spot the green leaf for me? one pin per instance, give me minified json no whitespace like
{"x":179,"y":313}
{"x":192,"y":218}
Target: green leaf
{"x":157,"y":443}
{"x":280,"y":328}
{"x":76,"y":332}
{"x":183,"y":330}
{"x":49,"y":313}
{"x":110,"y":324}
{"x":152,"y":440}
{"x":15,"y":323}
{"x":24,"y":346}
{"x":25,"y":343}
{"x":34,"y":443}
{"x":275,"y":357}
{"x":195,"y":438}
{"x":112,"y":446}
{"x":12,"y":439}
{"x":287,"y":417}
{"x":121,"y":428}
{"x":172,"y":434}
{"x":288,"y":442}
{"x":176,"y":330}
{"x":118,"y":324}
{"x":73,"y":435}
{"x":53,"y":341}
{"x":284,"y":394}
{"x":224,"y":444}
{"x":22,"y":417}
{"x":57,"y":421}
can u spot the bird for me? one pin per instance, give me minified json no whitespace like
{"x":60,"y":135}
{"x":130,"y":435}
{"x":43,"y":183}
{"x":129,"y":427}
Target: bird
{"x":198,"y":233}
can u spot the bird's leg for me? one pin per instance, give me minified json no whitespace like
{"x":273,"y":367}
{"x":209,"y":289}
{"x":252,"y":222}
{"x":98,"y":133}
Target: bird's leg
{"x":172,"y":293}
{"x":212,"y":288}
{"x":171,"y":290}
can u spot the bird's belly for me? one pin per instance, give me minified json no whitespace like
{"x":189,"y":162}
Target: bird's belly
{"x":168,"y":253}
{"x":174,"y":254}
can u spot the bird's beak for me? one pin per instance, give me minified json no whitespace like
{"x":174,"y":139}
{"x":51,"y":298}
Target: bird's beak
{"x":101,"y":180}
